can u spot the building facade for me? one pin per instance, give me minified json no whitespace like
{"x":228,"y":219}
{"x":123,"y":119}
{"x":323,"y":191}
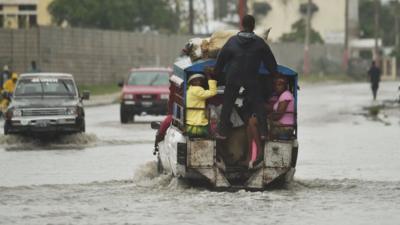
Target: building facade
{"x":328,"y":17}
{"x":24,"y":13}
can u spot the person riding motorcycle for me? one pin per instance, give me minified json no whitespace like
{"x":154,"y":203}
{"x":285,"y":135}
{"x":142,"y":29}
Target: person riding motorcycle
{"x":7,"y":92}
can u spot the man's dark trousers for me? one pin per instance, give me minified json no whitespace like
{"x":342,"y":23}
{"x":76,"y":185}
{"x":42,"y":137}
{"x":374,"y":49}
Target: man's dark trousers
{"x":255,"y":99}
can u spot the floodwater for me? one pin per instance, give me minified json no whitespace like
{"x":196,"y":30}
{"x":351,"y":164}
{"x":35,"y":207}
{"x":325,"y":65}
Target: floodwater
{"x":347,"y":172}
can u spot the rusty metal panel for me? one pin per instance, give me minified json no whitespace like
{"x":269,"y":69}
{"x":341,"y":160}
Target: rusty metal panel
{"x":256,"y":180}
{"x":270,"y":174}
{"x":201,"y":153}
{"x":278,"y":154}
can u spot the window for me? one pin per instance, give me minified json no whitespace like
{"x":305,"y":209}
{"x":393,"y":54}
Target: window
{"x":32,"y":21}
{"x":149,"y":78}
{"x":45,"y":87}
{"x":22,"y":21}
{"x":25,"y":21}
{"x":366,"y":54}
{"x":27,"y":7}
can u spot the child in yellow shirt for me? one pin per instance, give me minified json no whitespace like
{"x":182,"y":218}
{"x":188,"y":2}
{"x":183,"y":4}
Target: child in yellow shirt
{"x":196,"y":95}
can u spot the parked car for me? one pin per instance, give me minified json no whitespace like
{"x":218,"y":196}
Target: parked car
{"x":146,"y":90}
{"x":44,"y":103}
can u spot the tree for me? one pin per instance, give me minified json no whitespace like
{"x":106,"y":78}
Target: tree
{"x":134,"y":15}
{"x":298,"y":34}
{"x":386,"y":21}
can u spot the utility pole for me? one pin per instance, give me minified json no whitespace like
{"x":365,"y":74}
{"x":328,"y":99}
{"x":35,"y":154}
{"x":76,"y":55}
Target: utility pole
{"x":206,"y":16}
{"x":346,"y":36}
{"x":178,"y":12}
{"x":376,"y":31}
{"x":242,"y":11}
{"x":396,"y":25}
{"x":191,"y":17}
{"x":306,"y":66}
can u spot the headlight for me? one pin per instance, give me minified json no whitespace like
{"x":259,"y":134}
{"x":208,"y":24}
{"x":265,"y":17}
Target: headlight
{"x":128,"y":96}
{"x":164,"y":96}
{"x":17,"y":112}
{"x":72,"y":111}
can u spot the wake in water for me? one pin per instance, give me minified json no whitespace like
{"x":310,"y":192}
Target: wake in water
{"x":342,"y":185}
{"x":71,"y":142}
{"x":25,"y":143}
{"x":148,"y":176}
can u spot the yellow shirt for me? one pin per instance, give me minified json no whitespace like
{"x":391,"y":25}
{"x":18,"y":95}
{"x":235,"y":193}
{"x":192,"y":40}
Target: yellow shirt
{"x":9,"y":86}
{"x":196,"y":98}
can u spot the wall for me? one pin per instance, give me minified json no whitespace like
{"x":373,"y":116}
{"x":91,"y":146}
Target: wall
{"x":43,"y":15}
{"x":93,"y":56}
{"x":324,"y":59}
{"x":99,"y":57}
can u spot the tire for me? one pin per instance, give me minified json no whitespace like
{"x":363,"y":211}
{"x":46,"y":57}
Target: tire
{"x":83,"y":126}
{"x":160,"y":169}
{"x":6,"y":128}
{"x":124,"y":116}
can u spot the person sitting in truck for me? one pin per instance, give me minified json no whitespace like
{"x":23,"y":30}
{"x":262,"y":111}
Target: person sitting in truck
{"x":196,"y":96}
{"x":282,"y":115}
{"x":280,"y":111}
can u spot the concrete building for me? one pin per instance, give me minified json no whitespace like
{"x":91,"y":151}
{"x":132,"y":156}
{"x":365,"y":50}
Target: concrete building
{"x":328,"y":17}
{"x":24,"y":13}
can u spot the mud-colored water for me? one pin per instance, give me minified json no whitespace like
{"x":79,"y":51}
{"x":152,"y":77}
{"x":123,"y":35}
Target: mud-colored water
{"x":347,"y":172}
{"x":154,"y":199}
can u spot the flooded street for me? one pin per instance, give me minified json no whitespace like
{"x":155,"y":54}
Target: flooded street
{"x":347,"y":171}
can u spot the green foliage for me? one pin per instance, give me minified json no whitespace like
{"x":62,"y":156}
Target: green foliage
{"x":298,"y":34}
{"x":366,"y":16}
{"x":100,"y":89}
{"x":386,"y":21}
{"x":116,"y":14}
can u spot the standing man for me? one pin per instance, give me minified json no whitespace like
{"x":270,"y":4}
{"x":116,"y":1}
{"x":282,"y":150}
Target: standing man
{"x":241,"y":58}
{"x":34,"y":68}
{"x":374,"y":74}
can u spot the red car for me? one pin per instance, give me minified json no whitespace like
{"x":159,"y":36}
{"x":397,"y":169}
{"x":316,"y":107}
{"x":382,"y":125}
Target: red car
{"x":145,"y":91}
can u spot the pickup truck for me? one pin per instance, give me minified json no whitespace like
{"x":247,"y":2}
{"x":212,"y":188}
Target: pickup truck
{"x":45,"y":103}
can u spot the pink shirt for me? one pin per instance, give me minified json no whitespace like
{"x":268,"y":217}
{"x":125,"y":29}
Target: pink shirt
{"x":288,"y":117}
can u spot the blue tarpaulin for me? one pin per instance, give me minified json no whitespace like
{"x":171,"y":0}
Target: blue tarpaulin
{"x":198,"y":67}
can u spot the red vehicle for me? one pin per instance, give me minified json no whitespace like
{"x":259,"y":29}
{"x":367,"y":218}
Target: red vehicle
{"x":145,"y":91}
